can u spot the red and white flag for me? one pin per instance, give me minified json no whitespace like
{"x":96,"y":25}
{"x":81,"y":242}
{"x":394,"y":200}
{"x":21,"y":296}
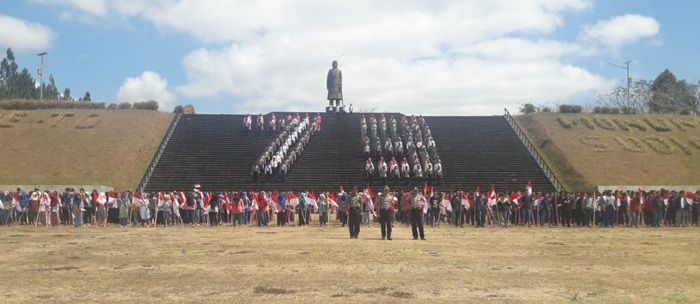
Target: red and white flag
{"x":332,"y":200}
{"x":464,"y":199}
{"x":492,"y":196}
{"x":446,"y":203}
{"x":514,"y":198}
{"x":292,"y":199}
{"x":528,"y":187}
{"x":311,"y":200}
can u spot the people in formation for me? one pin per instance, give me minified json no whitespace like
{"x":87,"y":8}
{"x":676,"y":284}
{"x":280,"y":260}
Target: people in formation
{"x":389,"y":207}
{"x":385,"y":141}
{"x":283,"y":152}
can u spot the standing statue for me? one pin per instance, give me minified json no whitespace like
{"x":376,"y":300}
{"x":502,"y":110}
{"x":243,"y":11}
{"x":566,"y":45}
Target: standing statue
{"x":334,"y":84}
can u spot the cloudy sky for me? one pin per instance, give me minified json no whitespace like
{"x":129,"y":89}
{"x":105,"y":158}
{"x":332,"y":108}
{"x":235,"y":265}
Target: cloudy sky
{"x":468,"y":57}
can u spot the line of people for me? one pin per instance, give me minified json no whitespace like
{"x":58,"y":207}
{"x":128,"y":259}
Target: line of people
{"x":283,"y":151}
{"x":456,"y":208}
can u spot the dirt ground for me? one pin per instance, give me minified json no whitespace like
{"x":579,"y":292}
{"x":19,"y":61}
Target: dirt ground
{"x":314,"y":265}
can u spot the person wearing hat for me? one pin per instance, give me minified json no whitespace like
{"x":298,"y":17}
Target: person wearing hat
{"x":354,"y":213}
{"x":386,"y":202}
{"x":417,"y":202}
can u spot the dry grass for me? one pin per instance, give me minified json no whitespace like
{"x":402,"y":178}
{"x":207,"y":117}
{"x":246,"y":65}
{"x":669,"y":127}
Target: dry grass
{"x":583,"y":157}
{"x":103,"y":147}
{"x":314,"y":265}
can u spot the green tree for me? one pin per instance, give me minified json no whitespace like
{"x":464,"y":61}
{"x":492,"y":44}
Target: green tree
{"x":24,"y":86}
{"x":672,"y":96}
{"x":8,"y":74}
{"x":86,"y":97}
{"x":50,"y":90}
{"x":66,"y":94}
{"x":528,"y":108}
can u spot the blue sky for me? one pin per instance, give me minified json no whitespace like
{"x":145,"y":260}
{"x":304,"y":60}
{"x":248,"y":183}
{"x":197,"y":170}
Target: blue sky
{"x":434,"y":57}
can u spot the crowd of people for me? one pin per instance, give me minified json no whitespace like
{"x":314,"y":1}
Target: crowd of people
{"x":456,"y":208}
{"x":283,"y":152}
{"x":409,"y":140}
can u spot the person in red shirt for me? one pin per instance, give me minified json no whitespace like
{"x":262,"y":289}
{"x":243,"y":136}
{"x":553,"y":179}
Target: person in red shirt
{"x":635,"y":208}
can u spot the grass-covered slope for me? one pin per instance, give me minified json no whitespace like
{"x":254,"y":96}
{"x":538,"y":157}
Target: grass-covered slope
{"x":60,"y":147}
{"x":587,"y":150}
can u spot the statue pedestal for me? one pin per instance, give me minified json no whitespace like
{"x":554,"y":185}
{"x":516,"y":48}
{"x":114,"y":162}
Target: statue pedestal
{"x":337,"y":110}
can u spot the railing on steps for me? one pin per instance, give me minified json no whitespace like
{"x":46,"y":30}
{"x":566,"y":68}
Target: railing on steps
{"x":531,"y":148}
{"x":158,"y":153}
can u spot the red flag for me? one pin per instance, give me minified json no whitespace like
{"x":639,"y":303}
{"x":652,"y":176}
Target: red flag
{"x":332,"y":200}
{"x":206,"y":200}
{"x":465,"y":200}
{"x":370,"y":192}
{"x":425,"y":188}
{"x":492,"y":196}
{"x":690,"y":195}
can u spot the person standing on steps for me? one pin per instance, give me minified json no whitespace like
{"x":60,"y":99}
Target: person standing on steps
{"x":354,"y":213}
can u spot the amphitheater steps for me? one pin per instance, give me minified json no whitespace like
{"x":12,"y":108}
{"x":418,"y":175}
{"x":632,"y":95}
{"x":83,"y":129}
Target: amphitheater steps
{"x":212,"y":150}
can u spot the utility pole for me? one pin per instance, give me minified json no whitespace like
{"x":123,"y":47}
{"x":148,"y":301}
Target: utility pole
{"x":626,"y":67}
{"x":41,"y":75}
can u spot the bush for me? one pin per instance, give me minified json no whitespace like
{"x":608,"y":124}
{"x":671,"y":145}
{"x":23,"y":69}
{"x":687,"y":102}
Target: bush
{"x":629,"y":111}
{"x":661,"y":126}
{"x":178,"y":109}
{"x":605,"y":110}
{"x":527,"y":108}
{"x":26,"y":104}
{"x":546,"y":110}
{"x":146,"y":105}
{"x":620,"y":125}
{"x":604,"y":123}
{"x":112,"y":106}
{"x":124,"y":106}
{"x":188,"y":109}
{"x":587,"y":123}
{"x":633,"y":123}
{"x":570,"y":108}
{"x":565,"y":124}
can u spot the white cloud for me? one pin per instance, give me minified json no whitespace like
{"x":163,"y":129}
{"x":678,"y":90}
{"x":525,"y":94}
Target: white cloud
{"x":21,"y":35}
{"x":148,"y":86}
{"x":434,"y":57}
{"x":619,"y":31}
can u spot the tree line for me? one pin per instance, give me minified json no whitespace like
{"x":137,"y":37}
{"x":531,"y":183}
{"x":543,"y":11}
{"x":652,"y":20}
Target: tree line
{"x":19,"y":84}
{"x":666,"y":94}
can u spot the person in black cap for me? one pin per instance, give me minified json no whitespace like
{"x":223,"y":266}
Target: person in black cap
{"x":386,"y":203}
{"x":417,"y":202}
{"x":354,"y":213}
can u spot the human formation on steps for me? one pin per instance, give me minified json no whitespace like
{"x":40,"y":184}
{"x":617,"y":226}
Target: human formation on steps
{"x":384,"y":145}
{"x":389,"y":207}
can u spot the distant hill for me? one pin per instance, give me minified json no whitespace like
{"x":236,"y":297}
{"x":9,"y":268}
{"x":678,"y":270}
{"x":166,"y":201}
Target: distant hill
{"x":108,"y":147}
{"x":586,"y":150}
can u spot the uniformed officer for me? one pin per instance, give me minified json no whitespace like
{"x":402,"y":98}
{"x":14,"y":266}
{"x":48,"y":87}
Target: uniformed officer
{"x":417,"y":202}
{"x":386,"y":202}
{"x":354,"y":213}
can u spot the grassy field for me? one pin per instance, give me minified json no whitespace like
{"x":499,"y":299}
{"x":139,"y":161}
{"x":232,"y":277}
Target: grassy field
{"x":90,"y":147}
{"x":314,"y":265}
{"x":586,"y":150}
